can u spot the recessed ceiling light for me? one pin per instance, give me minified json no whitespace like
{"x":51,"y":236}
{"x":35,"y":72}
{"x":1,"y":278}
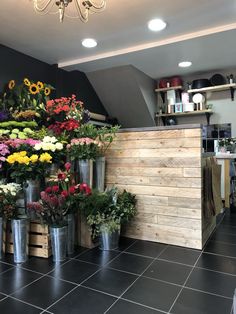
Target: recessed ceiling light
{"x":89,"y":42}
{"x":156,"y":25}
{"x":185,"y":64}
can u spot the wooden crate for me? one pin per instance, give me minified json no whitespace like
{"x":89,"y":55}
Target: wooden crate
{"x":39,"y":240}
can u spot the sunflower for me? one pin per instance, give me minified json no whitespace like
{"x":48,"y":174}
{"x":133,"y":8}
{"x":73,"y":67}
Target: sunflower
{"x":47,"y":91}
{"x":40,"y":85}
{"x":11,"y":84}
{"x":26,"y":82}
{"x":34,"y":89}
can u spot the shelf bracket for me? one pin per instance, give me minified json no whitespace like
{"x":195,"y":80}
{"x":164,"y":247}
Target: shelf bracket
{"x":232,"y":93}
{"x":208,"y":115}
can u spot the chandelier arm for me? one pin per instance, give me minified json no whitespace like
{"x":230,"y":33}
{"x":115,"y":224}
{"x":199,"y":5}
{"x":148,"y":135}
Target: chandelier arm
{"x":41,"y":9}
{"x":97,"y":6}
{"x":82,"y":15}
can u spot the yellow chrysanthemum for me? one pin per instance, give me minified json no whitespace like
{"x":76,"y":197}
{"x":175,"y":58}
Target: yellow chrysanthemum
{"x":26,"y":82}
{"x":11,"y":159}
{"x":11,"y":84}
{"x":34,"y":89}
{"x":47,"y":91}
{"x":34,"y":158}
{"x":45,"y":157}
{"x":40,"y":85}
{"x":23,"y":153}
{"x":23,"y":160}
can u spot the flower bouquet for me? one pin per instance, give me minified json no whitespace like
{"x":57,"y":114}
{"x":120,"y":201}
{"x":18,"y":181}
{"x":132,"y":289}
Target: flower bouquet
{"x":83,"y":148}
{"x":8,"y":196}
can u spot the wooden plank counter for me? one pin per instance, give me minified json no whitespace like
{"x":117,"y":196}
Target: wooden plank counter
{"x":162,"y":166}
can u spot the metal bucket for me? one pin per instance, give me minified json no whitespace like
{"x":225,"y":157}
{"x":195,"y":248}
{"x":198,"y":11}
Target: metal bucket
{"x":1,"y":237}
{"x":32,"y":191}
{"x":85,"y":171}
{"x":59,"y":243}
{"x":99,"y":173}
{"x":20,"y":228}
{"x":109,"y":240}
{"x":70,"y":233}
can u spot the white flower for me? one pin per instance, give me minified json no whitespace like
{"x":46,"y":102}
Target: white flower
{"x":38,"y":146}
{"x":47,"y":139}
{"x":53,"y":139}
{"x":66,"y":179}
{"x":59,"y":146}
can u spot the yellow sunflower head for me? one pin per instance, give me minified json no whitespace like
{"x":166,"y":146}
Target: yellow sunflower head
{"x":40,"y":85}
{"x":26,"y":82}
{"x":34,"y":89}
{"x":47,"y":91}
{"x":11,"y":84}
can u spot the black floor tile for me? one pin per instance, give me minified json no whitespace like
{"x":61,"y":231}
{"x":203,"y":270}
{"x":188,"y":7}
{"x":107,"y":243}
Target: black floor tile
{"x":78,"y":250}
{"x":147,"y":248}
{"x":41,"y":265}
{"x":194,"y":302}
{"x":4,"y":267}
{"x":110,"y":281}
{"x":152,"y":293}
{"x":13,"y":306}
{"x":168,"y":271}
{"x":130,"y":263}
{"x":224,"y":237}
{"x":98,"y":256}
{"x":226,"y":229}
{"x":15,"y":279}
{"x":2,"y":296}
{"x":44,"y":292}
{"x":84,"y":301}
{"x":180,"y":255}
{"x":212,"y":282}
{"x":74,"y":271}
{"x":8,"y":258}
{"x":217,"y":263}
{"x":124,"y":243}
{"x":221,"y":248}
{"x":126,"y":307}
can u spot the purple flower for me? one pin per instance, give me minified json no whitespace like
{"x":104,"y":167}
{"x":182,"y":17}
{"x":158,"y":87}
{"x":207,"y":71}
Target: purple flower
{"x":3,"y":115}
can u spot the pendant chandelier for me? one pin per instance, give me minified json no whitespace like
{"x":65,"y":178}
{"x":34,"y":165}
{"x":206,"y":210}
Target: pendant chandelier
{"x":82,"y":8}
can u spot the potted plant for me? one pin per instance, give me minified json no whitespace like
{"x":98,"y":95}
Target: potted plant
{"x":9,"y":210}
{"x":82,"y":151}
{"x":105,"y":212}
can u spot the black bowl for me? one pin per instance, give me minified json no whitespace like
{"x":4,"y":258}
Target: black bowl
{"x":200,"y":83}
{"x":218,"y":79}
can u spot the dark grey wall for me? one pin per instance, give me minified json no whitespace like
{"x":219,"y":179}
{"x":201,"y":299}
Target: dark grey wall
{"x":15,"y":65}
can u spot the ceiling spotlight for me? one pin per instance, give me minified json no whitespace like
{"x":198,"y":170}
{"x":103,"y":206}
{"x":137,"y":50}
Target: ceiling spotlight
{"x":185,"y":64}
{"x":156,"y":25}
{"x":89,"y":43}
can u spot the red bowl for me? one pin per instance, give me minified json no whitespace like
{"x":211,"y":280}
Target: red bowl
{"x":163,"y":82}
{"x":176,"y":81}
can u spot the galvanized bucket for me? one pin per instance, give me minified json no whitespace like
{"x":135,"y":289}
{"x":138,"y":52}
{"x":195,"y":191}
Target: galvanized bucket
{"x":99,"y":173}
{"x":109,"y":240}
{"x":1,"y":237}
{"x":20,"y":234}
{"x":70,"y":233}
{"x":32,"y":191}
{"x":85,"y":171}
{"x":59,"y":243}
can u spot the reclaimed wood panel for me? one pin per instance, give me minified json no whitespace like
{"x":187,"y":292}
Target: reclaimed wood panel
{"x":163,"y":169}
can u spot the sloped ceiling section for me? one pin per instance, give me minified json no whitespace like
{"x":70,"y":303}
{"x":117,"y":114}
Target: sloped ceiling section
{"x":127,"y":94}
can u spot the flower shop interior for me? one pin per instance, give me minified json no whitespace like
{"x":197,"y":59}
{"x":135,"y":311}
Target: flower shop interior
{"x":117,"y":157}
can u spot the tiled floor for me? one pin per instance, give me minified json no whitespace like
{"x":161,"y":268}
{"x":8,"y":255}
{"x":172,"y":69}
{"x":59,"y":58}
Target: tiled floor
{"x":139,"y":278}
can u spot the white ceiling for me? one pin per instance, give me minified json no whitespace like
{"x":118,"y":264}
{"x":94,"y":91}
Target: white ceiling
{"x":123,"y":37}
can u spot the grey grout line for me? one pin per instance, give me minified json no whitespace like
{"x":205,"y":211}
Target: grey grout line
{"x":84,"y":280}
{"x":212,"y":253}
{"x":139,"y":255}
{"x":223,"y":242}
{"x":22,"y":301}
{"x":215,"y":271}
{"x":103,"y":292}
{"x":149,"y":307}
{"x":136,"y":279}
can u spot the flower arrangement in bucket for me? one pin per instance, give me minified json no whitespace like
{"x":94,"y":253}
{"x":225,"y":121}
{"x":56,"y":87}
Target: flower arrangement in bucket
{"x":227,"y":144}
{"x":106,"y":212}
{"x":8,"y":196}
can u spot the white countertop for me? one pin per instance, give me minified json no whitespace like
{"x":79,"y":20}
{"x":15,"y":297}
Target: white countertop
{"x":225,"y":156}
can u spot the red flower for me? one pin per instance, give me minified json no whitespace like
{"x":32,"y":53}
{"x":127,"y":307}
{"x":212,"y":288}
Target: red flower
{"x":85,"y":188}
{"x":64,"y":193}
{"x":55,"y":188}
{"x":72,"y":190}
{"x":67,"y":166}
{"x":61,"y":176}
{"x":88,"y":191}
{"x":48,"y":190}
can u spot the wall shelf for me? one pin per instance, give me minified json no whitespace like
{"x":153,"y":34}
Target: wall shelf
{"x":217,"y":88}
{"x":168,"y":88}
{"x":207,"y":113}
